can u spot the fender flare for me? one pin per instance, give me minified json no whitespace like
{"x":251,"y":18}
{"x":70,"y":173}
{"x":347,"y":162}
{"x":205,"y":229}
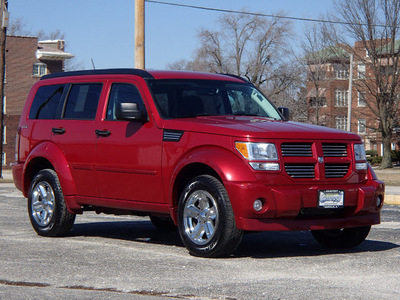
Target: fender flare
{"x":50,"y":152}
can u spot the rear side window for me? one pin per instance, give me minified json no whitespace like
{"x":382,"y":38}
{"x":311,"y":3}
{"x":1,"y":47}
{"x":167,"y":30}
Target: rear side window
{"x":82,"y":101}
{"x":46,"y":104}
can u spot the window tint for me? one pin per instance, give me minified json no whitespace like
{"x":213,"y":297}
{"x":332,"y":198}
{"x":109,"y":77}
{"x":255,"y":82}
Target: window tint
{"x":123,"y":93}
{"x":46,"y":102}
{"x":82,"y":101}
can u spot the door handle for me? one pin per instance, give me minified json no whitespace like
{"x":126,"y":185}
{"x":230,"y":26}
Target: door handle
{"x":104,"y":133}
{"x":58,"y":130}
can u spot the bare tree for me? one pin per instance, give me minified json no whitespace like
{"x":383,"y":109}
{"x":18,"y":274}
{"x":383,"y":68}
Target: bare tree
{"x":248,"y":46}
{"x":375,"y":26}
{"x":18,"y":28}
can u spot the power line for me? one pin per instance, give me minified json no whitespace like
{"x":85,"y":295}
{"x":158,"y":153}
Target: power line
{"x":260,"y":14}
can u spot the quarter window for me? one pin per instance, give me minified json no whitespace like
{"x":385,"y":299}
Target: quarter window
{"x":46,"y":104}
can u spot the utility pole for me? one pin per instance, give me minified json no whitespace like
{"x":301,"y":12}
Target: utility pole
{"x":349,"y":98}
{"x":3,"y":34}
{"x":139,"y":34}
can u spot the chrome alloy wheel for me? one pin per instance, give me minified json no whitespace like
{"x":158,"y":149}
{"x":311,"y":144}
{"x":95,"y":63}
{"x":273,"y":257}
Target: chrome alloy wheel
{"x":200,"y":217}
{"x":43,"y":203}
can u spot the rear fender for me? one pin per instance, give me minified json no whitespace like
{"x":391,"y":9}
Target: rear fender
{"x":48,"y":151}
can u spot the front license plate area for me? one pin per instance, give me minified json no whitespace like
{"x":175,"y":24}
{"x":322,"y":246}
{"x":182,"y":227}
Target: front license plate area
{"x":330,"y":198}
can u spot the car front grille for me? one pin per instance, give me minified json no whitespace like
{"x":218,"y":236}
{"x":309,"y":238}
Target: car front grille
{"x":298,"y":164}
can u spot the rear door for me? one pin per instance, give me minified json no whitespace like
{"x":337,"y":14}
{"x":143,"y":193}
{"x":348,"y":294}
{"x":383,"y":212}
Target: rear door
{"x":128,"y":153}
{"x":75,"y":134}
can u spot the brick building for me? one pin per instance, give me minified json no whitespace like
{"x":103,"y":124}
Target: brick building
{"x":27,"y":59}
{"x":328,"y":94}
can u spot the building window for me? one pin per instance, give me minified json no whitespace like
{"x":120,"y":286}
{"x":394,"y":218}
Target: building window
{"x":321,"y":102}
{"x":39,"y":69}
{"x":341,"y":98}
{"x":362,"y":126}
{"x":361,"y":71}
{"x":341,"y":123}
{"x":361,"y":99}
{"x":5,"y":135}
{"x":341,"y":72}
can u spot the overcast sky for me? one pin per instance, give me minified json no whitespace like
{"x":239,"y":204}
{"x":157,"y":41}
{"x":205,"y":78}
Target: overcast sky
{"x":103,"y":30}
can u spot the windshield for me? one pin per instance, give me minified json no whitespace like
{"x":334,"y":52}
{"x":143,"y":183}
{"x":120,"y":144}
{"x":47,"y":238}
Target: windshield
{"x":179,"y":98}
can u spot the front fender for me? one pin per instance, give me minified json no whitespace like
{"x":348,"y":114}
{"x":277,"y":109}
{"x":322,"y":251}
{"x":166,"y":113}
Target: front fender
{"x":229,"y":166}
{"x":50,"y":152}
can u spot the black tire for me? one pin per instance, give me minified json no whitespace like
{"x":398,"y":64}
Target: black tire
{"x":46,"y":206}
{"x":206,"y":221}
{"x":163,"y":223}
{"x":341,"y":238}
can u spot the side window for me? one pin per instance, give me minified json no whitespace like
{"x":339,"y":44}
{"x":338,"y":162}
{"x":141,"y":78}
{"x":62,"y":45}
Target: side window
{"x":82,"y":101}
{"x":123,"y":93}
{"x":47,"y":102}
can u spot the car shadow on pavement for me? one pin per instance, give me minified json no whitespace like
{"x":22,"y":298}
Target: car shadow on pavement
{"x":254,"y":244}
{"x":135,"y":231}
{"x":275,"y":244}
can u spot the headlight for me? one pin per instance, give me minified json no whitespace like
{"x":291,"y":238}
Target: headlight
{"x":259,"y":152}
{"x":360,"y":157}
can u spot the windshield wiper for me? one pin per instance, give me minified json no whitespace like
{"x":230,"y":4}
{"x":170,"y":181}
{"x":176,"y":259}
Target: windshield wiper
{"x":243,"y":113}
{"x":195,"y":116}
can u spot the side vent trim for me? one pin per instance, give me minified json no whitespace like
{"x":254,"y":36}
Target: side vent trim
{"x":172,"y":135}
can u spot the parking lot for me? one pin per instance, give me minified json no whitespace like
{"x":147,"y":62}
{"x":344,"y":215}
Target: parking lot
{"x":125,"y":257}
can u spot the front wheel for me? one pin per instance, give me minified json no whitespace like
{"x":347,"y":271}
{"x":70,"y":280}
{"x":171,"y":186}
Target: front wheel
{"x":46,"y":206}
{"x":205,"y":219}
{"x":341,"y":238}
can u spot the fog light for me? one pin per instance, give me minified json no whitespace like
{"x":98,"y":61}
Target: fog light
{"x":257,"y":205}
{"x":265,"y":166}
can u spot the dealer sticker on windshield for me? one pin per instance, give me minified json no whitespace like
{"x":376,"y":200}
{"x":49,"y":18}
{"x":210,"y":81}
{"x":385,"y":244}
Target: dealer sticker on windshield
{"x":331,"y":198}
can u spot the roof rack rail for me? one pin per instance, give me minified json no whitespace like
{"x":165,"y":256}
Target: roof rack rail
{"x":138,"y":72}
{"x":236,"y":76}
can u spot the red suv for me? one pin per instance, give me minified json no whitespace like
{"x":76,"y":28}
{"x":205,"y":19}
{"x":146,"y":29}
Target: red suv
{"x":207,"y":153}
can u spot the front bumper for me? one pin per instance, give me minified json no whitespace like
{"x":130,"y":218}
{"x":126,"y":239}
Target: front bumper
{"x":295,"y":207}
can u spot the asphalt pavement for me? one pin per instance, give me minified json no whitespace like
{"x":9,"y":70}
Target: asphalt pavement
{"x":125,"y":257}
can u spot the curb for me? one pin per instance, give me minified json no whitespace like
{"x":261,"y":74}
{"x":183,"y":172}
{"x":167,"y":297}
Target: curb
{"x":392,"y":199}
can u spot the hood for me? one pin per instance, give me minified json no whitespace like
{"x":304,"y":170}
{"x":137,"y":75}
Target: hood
{"x":257,"y":127}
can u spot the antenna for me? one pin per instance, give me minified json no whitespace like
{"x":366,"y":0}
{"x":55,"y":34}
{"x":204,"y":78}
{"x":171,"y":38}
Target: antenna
{"x":94,"y":68}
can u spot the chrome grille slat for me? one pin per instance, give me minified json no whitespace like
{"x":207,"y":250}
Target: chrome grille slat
{"x":336,"y":171}
{"x":334,"y":150}
{"x":301,"y":150}
{"x":300,"y":171}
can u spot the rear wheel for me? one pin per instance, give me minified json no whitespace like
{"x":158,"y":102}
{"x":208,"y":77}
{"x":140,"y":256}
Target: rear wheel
{"x":46,"y":206}
{"x":205,"y":219}
{"x":341,"y":238}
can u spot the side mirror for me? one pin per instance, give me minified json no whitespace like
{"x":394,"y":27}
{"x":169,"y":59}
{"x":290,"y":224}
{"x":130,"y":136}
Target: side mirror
{"x":284,"y":112}
{"x":130,"y":112}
